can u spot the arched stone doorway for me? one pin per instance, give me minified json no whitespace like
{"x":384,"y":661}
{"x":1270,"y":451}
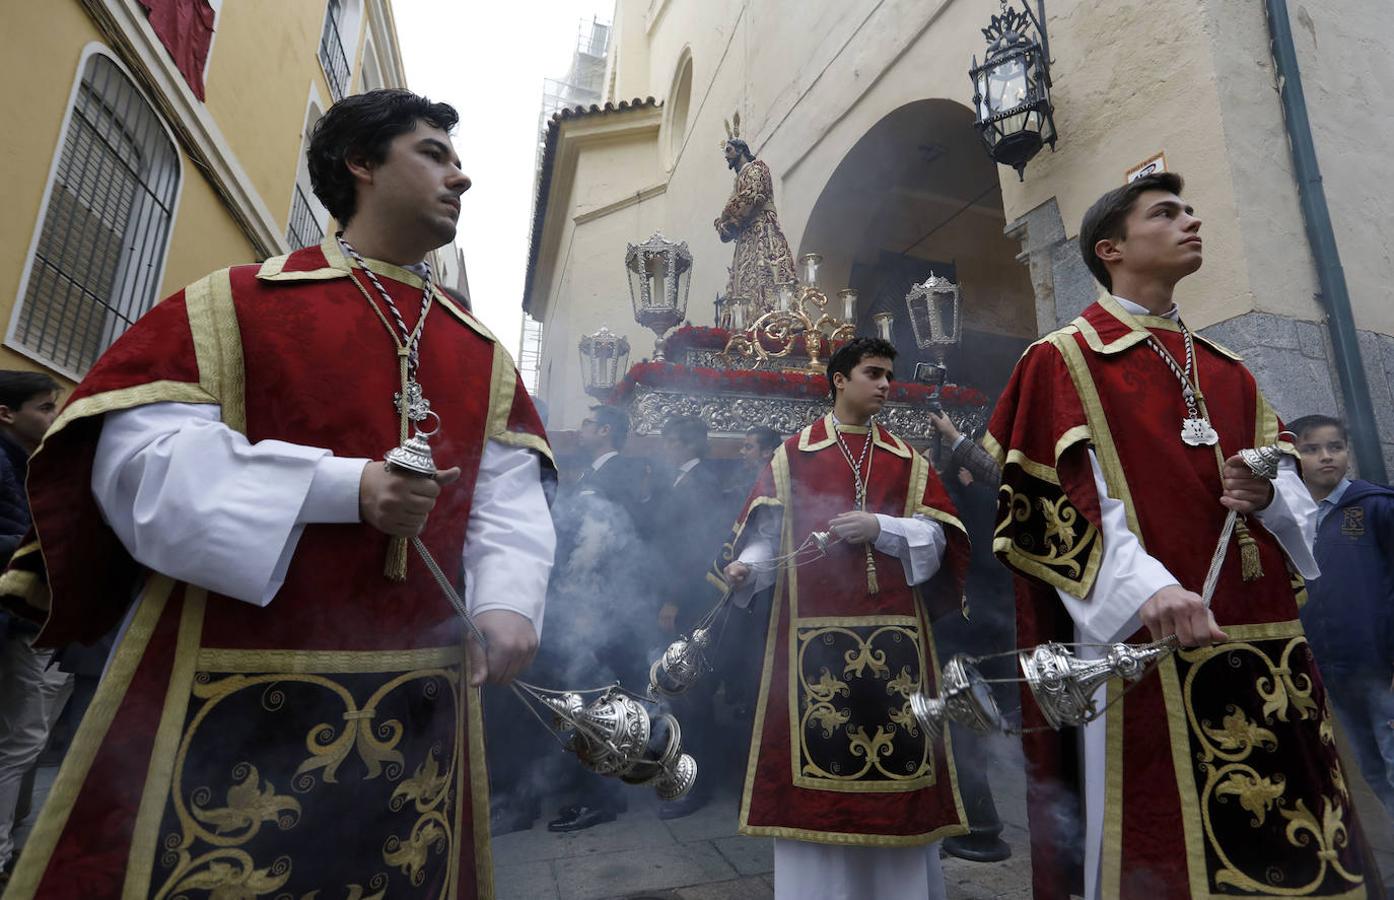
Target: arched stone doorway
{"x":917,"y":192}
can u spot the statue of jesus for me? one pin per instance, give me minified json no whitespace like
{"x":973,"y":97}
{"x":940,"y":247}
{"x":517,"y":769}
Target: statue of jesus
{"x":762,"y":260}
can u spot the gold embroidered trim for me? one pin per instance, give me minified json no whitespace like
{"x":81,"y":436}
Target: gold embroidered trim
{"x":210,"y":846}
{"x":126,"y":398}
{"x":31,"y":547}
{"x":28,"y":586}
{"x":503,"y":382}
{"x":1104,"y":447}
{"x":779,"y":466}
{"x":340,"y":267}
{"x":993,"y":448}
{"x":939,"y":516}
{"x":854,"y":840}
{"x":479,"y":794}
{"x":1266,"y":631}
{"x":527,"y":442}
{"x":327,"y":662}
{"x":806,"y":443}
{"x":1217,"y":347}
{"x":1071,"y":437}
{"x":218,"y":345}
{"x":145,"y":836}
{"x":888,"y":441}
{"x":1041,"y":471}
{"x":1224,"y":753}
{"x":111,"y":691}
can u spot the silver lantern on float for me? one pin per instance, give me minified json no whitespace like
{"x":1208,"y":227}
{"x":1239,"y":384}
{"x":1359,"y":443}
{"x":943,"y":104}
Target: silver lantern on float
{"x":659,"y":271}
{"x":604,"y":360}
{"x":934,"y":318}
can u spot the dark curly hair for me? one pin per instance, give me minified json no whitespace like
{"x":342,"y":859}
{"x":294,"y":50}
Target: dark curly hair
{"x":849,"y":356}
{"x":360,"y":128}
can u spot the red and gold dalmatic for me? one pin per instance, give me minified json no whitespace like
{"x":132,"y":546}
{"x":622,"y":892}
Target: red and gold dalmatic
{"x":836,"y":756}
{"x":1222,"y":777}
{"x":328,"y":744}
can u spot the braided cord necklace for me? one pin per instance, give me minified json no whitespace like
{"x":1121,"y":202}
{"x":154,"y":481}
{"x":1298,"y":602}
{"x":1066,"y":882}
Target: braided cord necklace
{"x":410,"y":403}
{"x":859,"y":486}
{"x":1196,"y":430}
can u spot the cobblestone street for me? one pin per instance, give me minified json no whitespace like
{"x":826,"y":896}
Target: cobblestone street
{"x":700,"y":857}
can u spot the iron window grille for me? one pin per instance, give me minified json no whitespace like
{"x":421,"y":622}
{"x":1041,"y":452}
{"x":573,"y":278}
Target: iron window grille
{"x":331,"y":53}
{"x":304,"y":229}
{"x":99,"y":255}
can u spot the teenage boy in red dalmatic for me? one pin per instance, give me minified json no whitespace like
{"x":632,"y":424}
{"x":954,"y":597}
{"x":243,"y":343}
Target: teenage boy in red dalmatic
{"x":289,"y":710}
{"x":854,"y":792}
{"x":1118,"y":437}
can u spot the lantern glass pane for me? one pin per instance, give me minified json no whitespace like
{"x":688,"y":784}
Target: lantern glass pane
{"x":1007,"y":86}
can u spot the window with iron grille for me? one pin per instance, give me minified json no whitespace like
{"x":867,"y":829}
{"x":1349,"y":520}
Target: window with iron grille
{"x":105,"y":226}
{"x":331,"y":51}
{"x":304,"y":229}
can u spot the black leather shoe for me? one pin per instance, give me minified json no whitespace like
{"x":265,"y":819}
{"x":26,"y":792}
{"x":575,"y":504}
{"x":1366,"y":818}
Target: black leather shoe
{"x":978,"y":847}
{"x":578,"y":818}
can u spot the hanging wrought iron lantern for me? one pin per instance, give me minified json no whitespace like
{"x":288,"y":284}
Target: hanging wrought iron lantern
{"x":604,"y":360}
{"x":659,"y":270}
{"x":934,"y":315}
{"x":1011,"y":89}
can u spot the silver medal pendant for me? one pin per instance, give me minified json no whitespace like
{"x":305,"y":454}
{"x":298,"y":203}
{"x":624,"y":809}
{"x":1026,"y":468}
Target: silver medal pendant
{"x":1196,"y":432}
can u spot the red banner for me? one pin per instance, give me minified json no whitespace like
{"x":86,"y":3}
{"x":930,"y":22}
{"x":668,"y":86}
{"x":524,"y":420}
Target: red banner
{"x":185,"y":27}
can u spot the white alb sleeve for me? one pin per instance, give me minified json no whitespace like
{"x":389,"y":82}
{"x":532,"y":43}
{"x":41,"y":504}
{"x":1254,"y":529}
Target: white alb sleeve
{"x":191,"y":498}
{"x":1127,"y":576}
{"x":510,"y":541}
{"x":918,"y":542}
{"x":1292,"y":518}
{"x":763,"y":526}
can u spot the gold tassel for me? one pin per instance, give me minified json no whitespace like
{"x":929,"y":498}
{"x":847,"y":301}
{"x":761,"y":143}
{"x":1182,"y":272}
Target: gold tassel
{"x":396,"y":568}
{"x":1250,"y":567}
{"x":872,"y":587}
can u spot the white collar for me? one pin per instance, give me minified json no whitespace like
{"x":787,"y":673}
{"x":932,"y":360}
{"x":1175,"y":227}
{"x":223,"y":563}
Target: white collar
{"x":1138,"y":309}
{"x":685,"y":468}
{"x":602,"y":459}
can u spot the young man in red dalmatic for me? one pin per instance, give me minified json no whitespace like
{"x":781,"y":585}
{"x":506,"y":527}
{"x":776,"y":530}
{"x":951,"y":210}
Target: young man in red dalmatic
{"x":289,"y":709}
{"x":854,"y":792}
{"x":1118,"y":436}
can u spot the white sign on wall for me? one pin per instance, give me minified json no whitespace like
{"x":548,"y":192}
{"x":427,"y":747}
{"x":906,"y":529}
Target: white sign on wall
{"x":1150,"y":166}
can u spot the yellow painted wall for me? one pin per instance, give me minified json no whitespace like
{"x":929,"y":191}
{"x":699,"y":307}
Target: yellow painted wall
{"x":40,"y":50}
{"x":264,"y":59}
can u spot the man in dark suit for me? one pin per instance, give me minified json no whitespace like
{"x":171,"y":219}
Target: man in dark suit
{"x":689,"y":528}
{"x":599,"y":582}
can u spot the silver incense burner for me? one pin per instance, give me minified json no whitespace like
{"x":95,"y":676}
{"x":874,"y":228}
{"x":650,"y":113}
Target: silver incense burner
{"x":615,"y":735}
{"x":684,"y":661}
{"x":681,"y":664}
{"x":1064,"y":685}
{"x":964,"y":697}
